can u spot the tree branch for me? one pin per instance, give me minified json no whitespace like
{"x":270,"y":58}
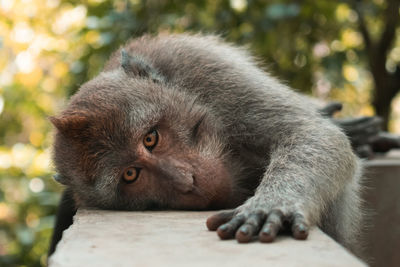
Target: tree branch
{"x":397,"y":74}
{"x":357,"y":6}
{"x":391,"y":21}
{"x":395,"y":81}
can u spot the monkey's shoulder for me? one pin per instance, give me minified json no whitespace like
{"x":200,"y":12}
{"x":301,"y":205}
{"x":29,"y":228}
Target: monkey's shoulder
{"x":186,"y":55}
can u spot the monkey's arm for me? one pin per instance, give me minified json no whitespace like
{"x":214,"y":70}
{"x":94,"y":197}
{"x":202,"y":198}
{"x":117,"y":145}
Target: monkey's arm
{"x":311,"y":162}
{"x":66,"y":210}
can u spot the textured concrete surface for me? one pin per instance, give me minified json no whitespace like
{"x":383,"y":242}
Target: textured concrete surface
{"x":382,"y":195}
{"x":171,"y":238}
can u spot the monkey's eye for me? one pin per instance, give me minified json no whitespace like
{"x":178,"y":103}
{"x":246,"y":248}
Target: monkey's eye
{"x":150,"y":140}
{"x":130,"y":175}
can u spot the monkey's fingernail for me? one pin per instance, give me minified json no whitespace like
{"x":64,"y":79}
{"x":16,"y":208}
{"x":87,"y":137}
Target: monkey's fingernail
{"x":266,"y":235}
{"x":301,"y":228}
{"x":266,"y":231}
{"x":244,"y":230}
{"x":300,"y":231}
{"x":223,"y":227}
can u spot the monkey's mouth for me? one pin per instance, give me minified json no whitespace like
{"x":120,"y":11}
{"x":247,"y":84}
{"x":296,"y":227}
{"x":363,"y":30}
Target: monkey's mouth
{"x":194,"y":197}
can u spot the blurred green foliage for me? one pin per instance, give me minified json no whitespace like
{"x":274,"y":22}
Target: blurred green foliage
{"x":49,"y":47}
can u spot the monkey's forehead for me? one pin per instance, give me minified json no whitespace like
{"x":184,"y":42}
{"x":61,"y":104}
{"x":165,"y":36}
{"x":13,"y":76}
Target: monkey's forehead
{"x":135,"y":102}
{"x":116,"y":87}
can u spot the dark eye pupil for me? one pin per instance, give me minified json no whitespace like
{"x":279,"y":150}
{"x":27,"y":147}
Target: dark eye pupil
{"x":129,"y":173}
{"x":150,"y":140}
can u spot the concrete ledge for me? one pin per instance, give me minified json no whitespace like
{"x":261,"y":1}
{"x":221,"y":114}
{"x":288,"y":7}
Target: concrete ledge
{"x":178,"y":238}
{"x":382,"y":199}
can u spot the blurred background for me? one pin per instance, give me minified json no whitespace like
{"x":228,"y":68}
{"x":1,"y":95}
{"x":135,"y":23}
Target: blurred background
{"x":347,"y":51}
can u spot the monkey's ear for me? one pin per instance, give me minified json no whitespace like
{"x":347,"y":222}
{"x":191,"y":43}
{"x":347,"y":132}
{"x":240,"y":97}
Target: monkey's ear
{"x":60,"y":179}
{"x":70,"y":125}
{"x":138,"y":66}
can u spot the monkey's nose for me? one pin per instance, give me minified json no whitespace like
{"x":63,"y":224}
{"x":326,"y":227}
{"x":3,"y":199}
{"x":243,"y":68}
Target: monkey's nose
{"x":184,"y":183}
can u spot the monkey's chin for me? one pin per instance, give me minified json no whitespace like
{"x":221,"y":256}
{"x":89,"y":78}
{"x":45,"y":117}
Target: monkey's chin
{"x":197,"y":199}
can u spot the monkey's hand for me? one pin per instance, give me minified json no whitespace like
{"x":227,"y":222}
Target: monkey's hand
{"x":249,"y":220}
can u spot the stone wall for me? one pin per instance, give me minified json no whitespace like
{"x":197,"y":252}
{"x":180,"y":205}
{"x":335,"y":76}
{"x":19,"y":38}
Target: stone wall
{"x":382,"y":199}
{"x":171,"y":238}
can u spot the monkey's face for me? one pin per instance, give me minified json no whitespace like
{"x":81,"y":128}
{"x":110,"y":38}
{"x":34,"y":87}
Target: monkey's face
{"x":127,"y":143}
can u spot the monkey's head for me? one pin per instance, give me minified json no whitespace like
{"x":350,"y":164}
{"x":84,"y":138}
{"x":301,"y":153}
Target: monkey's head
{"x":127,"y":140}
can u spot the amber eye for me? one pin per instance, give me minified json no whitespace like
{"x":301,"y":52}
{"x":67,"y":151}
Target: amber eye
{"x":131,"y":174}
{"x":150,"y":140}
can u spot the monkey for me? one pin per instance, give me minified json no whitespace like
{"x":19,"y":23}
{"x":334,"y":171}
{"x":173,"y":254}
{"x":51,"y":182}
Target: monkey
{"x":191,"y":122}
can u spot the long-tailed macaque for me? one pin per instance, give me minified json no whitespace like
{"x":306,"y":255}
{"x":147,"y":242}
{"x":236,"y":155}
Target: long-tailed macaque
{"x":190,"y":122}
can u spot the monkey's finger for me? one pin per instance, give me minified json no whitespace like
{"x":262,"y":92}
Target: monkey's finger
{"x":384,"y":141}
{"x":271,"y":227}
{"x":361,"y":125}
{"x":360,"y":130}
{"x":217,"y":219}
{"x":364,"y":151}
{"x":299,"y":227}
{"x":354,"y":121}
{"x":366,"y":125}
{"x":228,"y":229}
{"x":252,"y":225}
{"x":331,"y":108}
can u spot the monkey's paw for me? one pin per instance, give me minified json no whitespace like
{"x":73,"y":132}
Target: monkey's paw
{"x":245,"y":225}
